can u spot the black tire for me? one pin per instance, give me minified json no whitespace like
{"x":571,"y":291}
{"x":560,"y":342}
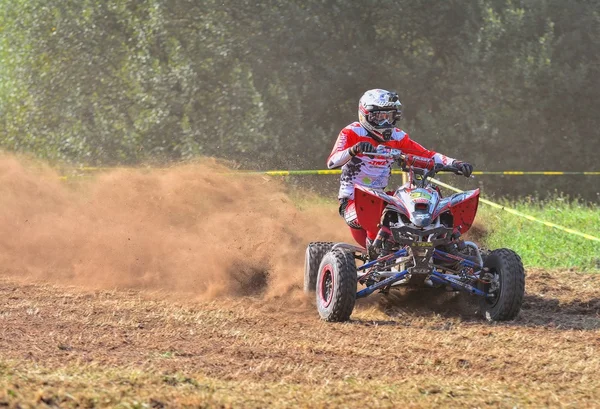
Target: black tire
{"x":312,"y":260}
{"x":507,"y":267}
{"x":336,"y":286}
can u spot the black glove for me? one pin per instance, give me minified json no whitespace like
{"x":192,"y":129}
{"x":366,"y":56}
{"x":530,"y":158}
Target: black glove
{"x":465,"y":168}
{"x":361,"y":147}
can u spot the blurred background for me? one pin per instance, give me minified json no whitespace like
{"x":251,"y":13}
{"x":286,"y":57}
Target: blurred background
{"x":504,"y":84}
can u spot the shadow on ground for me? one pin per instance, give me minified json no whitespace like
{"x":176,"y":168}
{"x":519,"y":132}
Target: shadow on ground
{"x":536,"y":311}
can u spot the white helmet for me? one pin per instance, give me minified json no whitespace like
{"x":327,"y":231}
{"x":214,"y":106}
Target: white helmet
{"x":378,"y":111}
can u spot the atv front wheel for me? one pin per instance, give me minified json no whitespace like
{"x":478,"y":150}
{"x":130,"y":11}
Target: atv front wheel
{"x":312,"y":260}
{"x":336,"y":286}
{"x":506,"y":284}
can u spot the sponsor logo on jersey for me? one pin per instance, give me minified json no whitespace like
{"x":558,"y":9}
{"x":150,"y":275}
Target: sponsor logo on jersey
{"x":379,"y":162}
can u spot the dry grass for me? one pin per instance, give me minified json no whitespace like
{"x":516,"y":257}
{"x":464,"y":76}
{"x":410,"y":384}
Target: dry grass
{"x":69,"y":347}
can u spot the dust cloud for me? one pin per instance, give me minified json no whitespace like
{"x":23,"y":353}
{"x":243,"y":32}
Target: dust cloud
{"x":196,"y":229}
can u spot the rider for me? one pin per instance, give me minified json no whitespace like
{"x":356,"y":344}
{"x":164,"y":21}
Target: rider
{"x":378,"y":111}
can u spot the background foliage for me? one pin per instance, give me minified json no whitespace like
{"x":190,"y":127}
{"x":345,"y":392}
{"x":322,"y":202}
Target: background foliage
{"x":505,"y":84}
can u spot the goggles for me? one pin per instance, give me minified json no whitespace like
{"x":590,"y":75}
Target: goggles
{"x":381,"y":118}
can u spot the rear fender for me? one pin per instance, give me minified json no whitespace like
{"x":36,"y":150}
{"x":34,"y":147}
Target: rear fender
{"x":369,"y":205}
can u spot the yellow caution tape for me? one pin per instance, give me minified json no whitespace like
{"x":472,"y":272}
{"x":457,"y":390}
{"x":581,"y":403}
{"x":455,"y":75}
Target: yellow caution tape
{"x":526,"y":216}
{"x":338,"y":171}
{"x":545,"y":173}
{"x":399,"y":172}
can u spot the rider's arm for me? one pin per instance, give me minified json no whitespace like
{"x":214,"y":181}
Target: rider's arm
{"x":340,"y":154}
{"x":409,"y":146}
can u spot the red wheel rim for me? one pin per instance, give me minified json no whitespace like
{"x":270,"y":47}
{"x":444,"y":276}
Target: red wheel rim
{"x":326,"y":285}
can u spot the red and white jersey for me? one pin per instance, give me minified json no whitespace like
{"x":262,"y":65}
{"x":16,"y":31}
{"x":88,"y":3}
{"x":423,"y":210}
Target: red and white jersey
{"x":366,"y":170}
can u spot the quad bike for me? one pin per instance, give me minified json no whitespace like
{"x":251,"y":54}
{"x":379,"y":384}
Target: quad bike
{"x":418,"y":244}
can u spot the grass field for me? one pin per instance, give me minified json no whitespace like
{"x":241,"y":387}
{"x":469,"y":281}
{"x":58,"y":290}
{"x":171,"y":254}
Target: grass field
{"x":542,"y":246}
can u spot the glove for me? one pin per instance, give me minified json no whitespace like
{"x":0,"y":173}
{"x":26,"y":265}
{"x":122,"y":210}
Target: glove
{"x":465,"y":168}
{"x":361,"y":147}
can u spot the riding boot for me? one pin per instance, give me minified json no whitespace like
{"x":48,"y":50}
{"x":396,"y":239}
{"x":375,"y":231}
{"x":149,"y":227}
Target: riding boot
{"x":373,"y":254}
{"x":384,"y":242}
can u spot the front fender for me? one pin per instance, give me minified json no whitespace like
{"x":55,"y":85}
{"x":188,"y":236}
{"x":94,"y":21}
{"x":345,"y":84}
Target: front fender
{"x":464,"y":208}
{"x":369,"y":205}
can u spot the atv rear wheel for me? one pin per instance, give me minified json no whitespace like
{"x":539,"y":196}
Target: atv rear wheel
{"x":336,"y":286}
{"x":312,"y":260}
{"x":507,"y":285}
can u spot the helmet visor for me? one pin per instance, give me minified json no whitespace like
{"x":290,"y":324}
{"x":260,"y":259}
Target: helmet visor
{"x":381,"y":118}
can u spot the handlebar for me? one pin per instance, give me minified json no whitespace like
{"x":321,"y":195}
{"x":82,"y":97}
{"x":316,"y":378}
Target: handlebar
{"x":451,"y":169}
{"x":391,"y":153}
{"x":397,"y":154}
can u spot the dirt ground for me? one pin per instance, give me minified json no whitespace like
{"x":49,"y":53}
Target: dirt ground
{"x":165,"y":289}
{"x":68,"y":347}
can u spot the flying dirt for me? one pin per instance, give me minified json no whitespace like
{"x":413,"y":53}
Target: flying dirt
{"x":196,"y":228}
